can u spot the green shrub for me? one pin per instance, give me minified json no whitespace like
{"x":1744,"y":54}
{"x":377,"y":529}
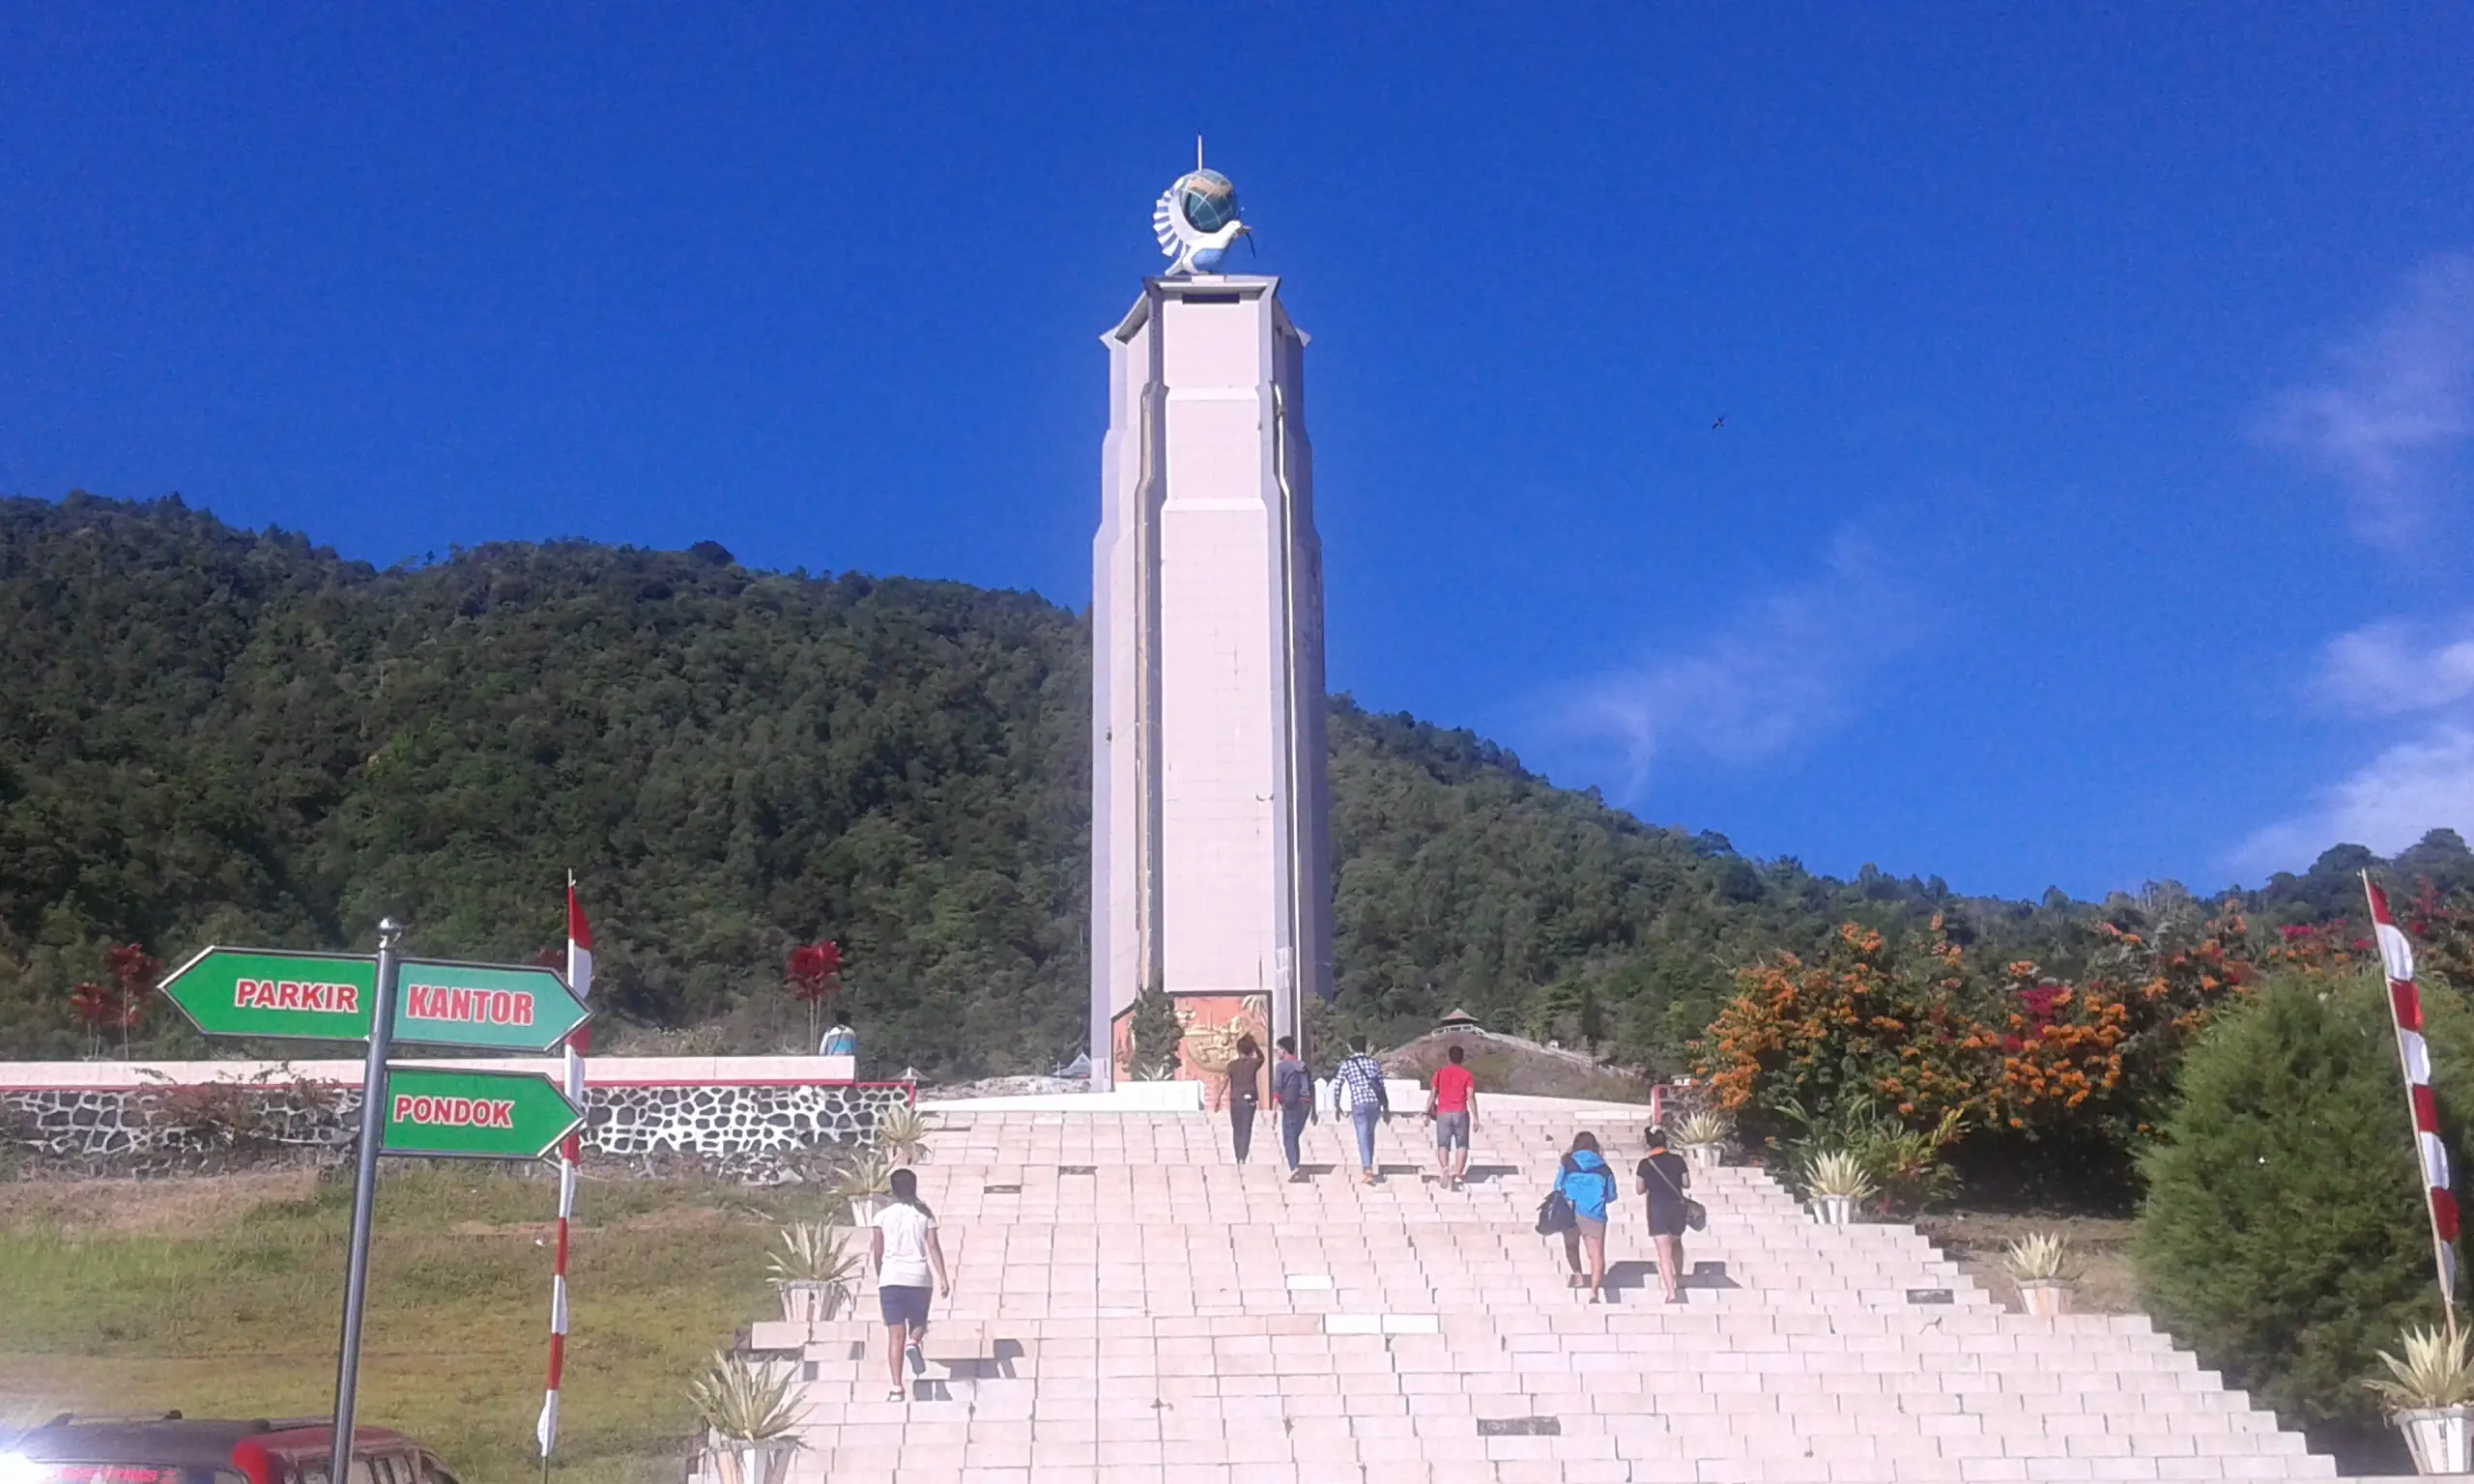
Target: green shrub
{"x":2284,"y":1234}
{"x":1908,"y":1167}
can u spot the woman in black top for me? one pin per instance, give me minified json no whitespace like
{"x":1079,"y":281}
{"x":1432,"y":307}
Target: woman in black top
{"x":1245,"y":1091}
{"x":1662,"y":1178}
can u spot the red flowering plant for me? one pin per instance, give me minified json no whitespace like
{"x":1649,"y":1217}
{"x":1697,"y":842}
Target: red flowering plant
{"x":2318,"y":949}
{"x":118,"y":1002}
{"x":2442,"y":926}
{"x":813,"y":975}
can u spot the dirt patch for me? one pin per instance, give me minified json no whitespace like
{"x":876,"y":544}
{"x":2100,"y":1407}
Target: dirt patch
{"x":1509,"y":1064}
{"x":183,"y":1204}
{"x":539,"y":1231}
{"x":683,"y":1217}
{"x":2100,"y":1248}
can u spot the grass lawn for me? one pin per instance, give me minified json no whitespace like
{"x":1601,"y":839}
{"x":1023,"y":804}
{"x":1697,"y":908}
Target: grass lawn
{"x":223,"y":1296}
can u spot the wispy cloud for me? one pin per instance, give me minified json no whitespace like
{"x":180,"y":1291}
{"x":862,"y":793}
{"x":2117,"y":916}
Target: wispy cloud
{"x":1785,"y":667}
{"x":2417,"y":681}
{"x":2420,"y":784}
{"x":2398,"y":668}
{"x":2391,"y":423}
{"x":2397,"y":405}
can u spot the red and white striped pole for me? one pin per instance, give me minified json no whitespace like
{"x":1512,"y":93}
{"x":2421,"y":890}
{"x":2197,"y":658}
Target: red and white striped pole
{"x":2430,"y":1157}
{"x":570,"y":1157}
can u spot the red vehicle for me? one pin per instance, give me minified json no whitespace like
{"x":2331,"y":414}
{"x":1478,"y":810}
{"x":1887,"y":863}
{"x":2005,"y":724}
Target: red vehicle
{"x":173,"y":1450}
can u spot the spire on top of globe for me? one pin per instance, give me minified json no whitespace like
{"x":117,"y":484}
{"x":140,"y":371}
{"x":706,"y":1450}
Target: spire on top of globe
{"x":1195,"y":219}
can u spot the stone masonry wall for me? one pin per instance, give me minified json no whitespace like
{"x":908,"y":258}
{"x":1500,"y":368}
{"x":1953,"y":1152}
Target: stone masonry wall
{"x":730,"y":1127}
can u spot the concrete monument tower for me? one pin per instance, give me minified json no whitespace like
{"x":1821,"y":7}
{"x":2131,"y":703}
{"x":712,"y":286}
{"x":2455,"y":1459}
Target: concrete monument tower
{"x":1210,"y":844}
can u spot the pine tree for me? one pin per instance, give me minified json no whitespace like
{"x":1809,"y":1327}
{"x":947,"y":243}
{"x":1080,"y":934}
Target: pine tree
{"x":1158,"y":1033}
{"x":2284,"y":1233}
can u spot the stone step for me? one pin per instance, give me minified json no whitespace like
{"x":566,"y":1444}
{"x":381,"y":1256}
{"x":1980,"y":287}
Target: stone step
{"x":1170,"y":1318}
{"x":1400,"y":1336}
{"x":1580,"y":1327}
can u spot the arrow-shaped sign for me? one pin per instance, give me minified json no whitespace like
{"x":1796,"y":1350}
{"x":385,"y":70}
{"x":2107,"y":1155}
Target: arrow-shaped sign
{"x":510,"y":1007}
{"x":481,"y":1115}
{"x":258,"y":991}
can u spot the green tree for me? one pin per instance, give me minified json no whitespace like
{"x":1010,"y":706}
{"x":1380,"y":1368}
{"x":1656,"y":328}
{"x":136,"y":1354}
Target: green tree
{"x":2284,"y":1234}
{"x":1592,"y":1019}
{"x":1157,"y":1031}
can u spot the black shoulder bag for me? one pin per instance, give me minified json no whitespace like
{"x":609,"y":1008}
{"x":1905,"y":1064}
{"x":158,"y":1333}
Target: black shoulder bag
{"x":1555,"y":1213}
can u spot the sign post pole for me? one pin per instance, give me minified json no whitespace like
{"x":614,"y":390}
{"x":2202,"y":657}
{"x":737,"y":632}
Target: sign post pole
{"x":364,"y":1195}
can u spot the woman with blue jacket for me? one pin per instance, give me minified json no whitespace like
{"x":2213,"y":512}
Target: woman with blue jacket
{"x":1585,"y":1180}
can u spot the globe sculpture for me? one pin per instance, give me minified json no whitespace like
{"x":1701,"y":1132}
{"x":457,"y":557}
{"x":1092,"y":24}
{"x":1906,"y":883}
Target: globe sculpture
{"x":1209,"y":200}
{"x":1195,"y":219}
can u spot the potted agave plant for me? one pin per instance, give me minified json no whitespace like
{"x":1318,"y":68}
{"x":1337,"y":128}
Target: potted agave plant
{"x":901,"y":1136}
{"x":814,"y":1270}
{"x":751,"y":1418}
{"x":2426,"y":1393}
{"x":1834,"y":1182}
{"x":2040,"y":1265}
{"x":866,"y":1182}
{"x":1702,"y":1135}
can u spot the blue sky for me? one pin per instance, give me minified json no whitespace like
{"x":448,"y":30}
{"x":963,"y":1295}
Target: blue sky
{"x":2094,"y":495}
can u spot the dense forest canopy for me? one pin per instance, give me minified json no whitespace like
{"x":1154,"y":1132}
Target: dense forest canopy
{"x":214,"y":736}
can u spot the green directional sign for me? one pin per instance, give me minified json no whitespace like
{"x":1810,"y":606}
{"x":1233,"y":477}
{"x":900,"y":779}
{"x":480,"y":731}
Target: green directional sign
{"x":255,"y":992}
{"x":441,"y":1003}
{"x":479,"y":1115}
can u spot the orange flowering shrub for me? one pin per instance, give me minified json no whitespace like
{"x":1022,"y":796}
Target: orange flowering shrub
{"x":2173,"y":984}
{"x":2089,"y":1048}
{"x":2059,"y":1049}
{"x":1916,"y":1031}
{"x":1867,"y":1021}
{"x":2179,"y":985}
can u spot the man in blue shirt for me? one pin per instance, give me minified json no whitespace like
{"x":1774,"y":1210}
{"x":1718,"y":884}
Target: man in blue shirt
{"x":1293,"y":1090}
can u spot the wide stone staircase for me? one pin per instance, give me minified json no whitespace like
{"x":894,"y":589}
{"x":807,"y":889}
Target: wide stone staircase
{"x":1130,"y":1307}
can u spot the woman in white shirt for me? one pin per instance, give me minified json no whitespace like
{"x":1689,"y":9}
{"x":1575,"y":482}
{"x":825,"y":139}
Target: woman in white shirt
{"x":902,"y":1244}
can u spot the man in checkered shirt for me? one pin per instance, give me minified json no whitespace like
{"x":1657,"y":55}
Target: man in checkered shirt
{"x":1362,"y":1077}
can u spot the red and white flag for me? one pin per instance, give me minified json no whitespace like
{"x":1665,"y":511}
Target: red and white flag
{"x":570,"y":1155}
{"x":2405,"y":1009}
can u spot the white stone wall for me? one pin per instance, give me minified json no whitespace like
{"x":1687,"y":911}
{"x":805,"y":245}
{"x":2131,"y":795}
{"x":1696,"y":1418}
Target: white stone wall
{"x":1210,"y":869}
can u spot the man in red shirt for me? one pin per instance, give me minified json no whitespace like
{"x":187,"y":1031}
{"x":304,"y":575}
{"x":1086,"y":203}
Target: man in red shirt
{"x":1451,"y":1101}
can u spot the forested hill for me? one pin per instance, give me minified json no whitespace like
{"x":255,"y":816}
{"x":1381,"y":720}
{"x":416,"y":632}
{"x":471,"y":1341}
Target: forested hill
{"x":211,"y":735}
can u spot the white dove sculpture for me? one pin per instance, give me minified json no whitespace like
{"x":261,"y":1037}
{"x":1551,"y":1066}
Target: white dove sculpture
{"x":1196,"y":221}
